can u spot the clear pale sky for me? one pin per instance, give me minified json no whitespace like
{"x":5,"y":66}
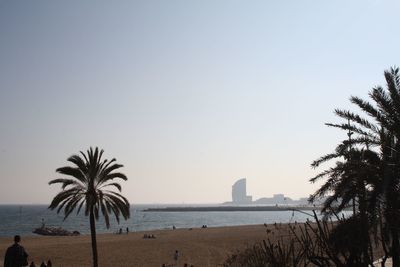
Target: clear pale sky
{"x":189,"y":95}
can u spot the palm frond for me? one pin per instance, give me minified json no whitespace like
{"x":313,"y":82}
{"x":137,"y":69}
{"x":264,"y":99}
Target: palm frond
{"x":117,"y":185}
{"x":347,"y":115}
{"x":74,"y":172}
{"x":79,"y":162}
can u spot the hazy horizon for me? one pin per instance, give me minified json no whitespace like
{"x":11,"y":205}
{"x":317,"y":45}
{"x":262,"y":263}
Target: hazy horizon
{"x":170,"y":203}
{"x":188,"y":95}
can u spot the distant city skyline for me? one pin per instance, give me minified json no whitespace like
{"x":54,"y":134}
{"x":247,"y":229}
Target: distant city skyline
{"x":240,"y":196}
{"x":187,"y":95}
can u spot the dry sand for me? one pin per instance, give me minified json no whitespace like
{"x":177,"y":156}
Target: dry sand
{"x":198,"y":247}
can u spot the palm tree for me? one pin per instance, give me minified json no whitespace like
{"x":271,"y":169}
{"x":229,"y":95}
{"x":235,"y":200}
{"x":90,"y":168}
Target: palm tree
{"x":384,"y":132}
{"x":350,"y":180}
{"x":89,"y":186}
{"x":381,"y":131}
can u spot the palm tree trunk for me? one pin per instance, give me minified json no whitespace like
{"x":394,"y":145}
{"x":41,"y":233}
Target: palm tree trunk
{"x":367,"y":257}
{"x":395,"y":247}
{"x":93,"y":236}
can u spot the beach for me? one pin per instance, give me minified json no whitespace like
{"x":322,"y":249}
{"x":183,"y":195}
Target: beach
{"x":197,"y":246}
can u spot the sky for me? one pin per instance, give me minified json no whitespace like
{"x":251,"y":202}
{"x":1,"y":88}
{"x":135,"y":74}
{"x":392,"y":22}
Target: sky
{"x":189,"y":96}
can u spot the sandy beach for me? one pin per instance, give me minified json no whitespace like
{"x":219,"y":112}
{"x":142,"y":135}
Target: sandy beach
{"x":197,"y":246}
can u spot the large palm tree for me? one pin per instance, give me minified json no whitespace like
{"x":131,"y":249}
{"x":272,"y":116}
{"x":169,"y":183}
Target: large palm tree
{"x":350,"y":180}
{"x":91,"y":179}
{"x":379,"y":129}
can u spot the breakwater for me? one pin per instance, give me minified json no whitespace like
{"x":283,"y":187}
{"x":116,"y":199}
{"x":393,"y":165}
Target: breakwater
{"x":232,"y":208}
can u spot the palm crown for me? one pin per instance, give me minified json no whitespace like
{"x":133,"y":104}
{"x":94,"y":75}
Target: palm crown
{"x":91,"y":184}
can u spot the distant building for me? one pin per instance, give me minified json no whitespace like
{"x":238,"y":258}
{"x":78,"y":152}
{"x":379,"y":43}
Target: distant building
{"x":239,"y":195}
{"x":277,"y":199}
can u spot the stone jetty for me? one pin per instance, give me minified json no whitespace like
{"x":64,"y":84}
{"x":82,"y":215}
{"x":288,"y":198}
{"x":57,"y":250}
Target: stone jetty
{"x":54,"y":231}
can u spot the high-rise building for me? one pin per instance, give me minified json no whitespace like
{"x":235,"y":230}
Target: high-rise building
{"x":239,"y":195}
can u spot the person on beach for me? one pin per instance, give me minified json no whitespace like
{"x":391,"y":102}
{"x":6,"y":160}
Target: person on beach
{"x":16,"y":255}
{"x":176,"y":255}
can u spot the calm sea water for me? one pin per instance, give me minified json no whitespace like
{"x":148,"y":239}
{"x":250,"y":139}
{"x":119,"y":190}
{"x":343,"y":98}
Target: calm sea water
{"x":17,"y":219}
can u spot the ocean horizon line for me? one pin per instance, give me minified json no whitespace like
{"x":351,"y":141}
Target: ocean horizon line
{"x":132,"y":204}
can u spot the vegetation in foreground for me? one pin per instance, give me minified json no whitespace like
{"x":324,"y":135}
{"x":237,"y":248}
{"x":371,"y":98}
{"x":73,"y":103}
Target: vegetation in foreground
{"x":89,"y":188}
{"x":365,"y":176}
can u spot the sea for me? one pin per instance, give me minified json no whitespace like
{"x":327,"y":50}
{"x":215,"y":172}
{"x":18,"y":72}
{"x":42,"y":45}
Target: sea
{"x":23,"y":219}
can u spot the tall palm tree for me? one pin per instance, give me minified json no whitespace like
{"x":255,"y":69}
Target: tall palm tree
{"x":384,"y":131}
{"x":381,"y":130}
{"x":351,"y":180}
{"x":91,"y":179}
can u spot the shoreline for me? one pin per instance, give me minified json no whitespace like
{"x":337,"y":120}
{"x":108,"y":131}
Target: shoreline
{"x":23,"y":221}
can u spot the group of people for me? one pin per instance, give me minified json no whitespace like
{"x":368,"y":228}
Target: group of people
{"x":176,"y":258}
{"x":149,"y":236}
{"x":16,"y":256}
{"x":49,"y":264}
{"x":120,"y":231}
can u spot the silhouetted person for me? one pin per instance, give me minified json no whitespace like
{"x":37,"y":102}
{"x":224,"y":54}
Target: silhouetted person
{"x":32,"y":264}
{"x":127,"y":230}
{"x":16,"y":255}
{"x":49,"y":264}
{"x":120,"y":230}
{"x":43,"y":264}
{"x":176,"y":255}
